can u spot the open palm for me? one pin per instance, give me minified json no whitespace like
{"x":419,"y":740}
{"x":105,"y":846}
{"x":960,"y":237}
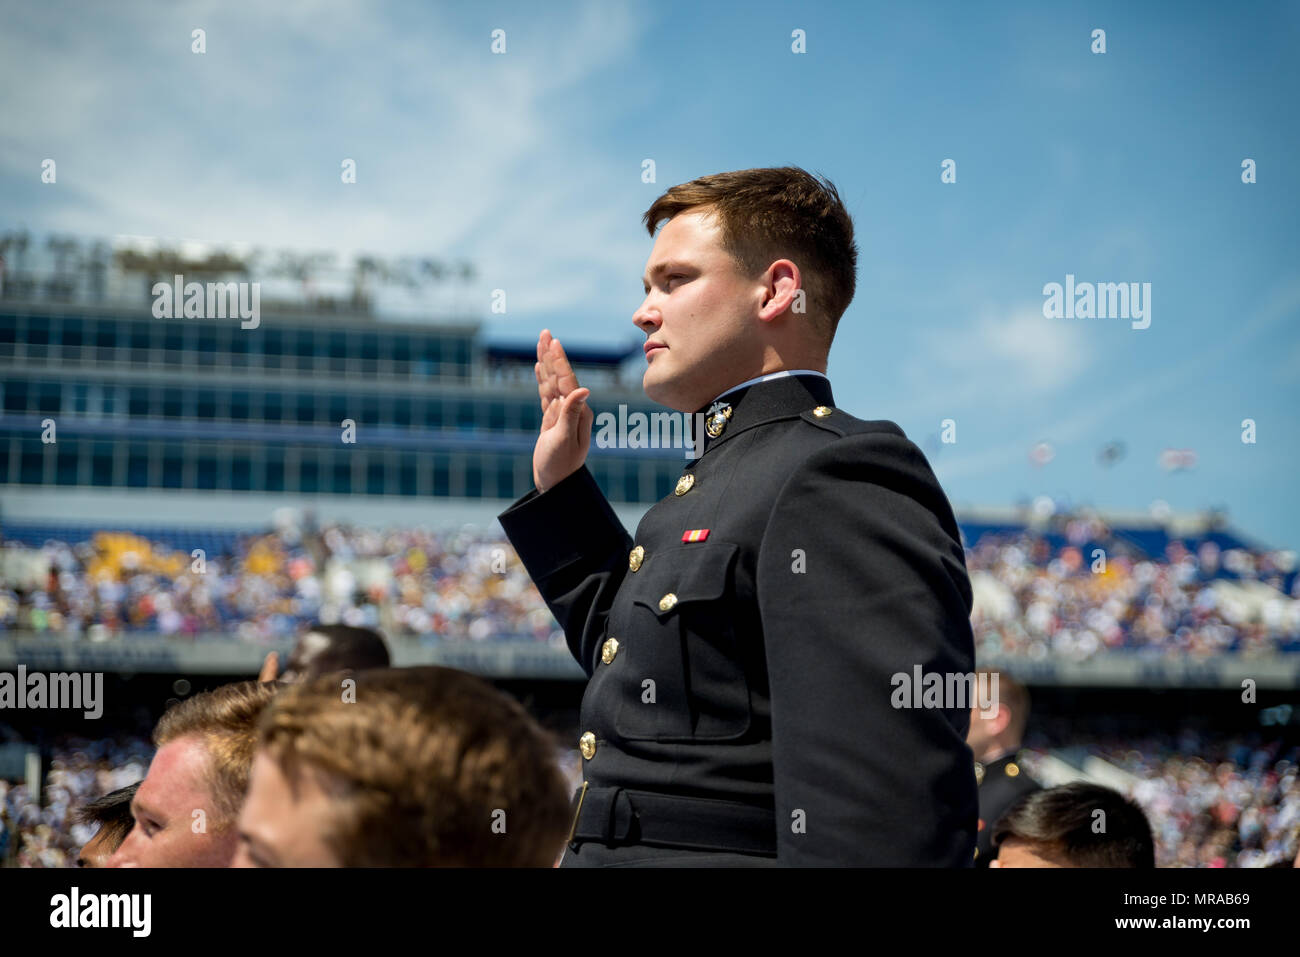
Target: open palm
{"x":565,"y":435}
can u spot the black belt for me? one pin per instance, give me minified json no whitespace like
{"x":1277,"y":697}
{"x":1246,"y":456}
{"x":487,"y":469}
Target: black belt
{"x":618,"y":816}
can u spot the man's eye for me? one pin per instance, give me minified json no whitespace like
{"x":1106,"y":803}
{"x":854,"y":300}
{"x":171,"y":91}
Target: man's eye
{"x":256,"y":859}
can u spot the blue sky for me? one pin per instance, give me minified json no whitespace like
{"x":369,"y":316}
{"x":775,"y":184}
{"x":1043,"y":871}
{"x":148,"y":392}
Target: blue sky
{"x":1114,"y":167}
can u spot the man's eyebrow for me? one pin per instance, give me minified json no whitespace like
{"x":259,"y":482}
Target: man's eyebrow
{"x":139,"y":810}
{"x":663,"y":267}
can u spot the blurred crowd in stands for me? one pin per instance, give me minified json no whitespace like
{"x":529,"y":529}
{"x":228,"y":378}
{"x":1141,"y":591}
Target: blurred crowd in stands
{"x":459,"y":585}
{"x":1076,"y":600}
{"x":32,"y":835}
{"x":1035,"y":595}
{"x":1213,"y":801}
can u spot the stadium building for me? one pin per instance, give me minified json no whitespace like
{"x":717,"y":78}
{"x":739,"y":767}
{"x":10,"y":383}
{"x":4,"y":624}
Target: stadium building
{"x":112,"y":413}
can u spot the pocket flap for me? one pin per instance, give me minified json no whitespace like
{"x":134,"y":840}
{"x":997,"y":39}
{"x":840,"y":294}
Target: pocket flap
{"x":693,"y":571}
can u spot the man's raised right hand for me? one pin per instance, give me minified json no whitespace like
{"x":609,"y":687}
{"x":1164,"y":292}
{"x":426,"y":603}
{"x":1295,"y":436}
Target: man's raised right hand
{"x":565,"y":436}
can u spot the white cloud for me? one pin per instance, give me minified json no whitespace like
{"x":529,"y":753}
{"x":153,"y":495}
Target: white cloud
{"x":998,"y":359}
{"x":460,"y":153}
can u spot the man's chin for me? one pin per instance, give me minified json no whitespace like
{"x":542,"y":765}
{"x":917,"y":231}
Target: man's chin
{"x":653,"y":388}
{"x":661,"y":393}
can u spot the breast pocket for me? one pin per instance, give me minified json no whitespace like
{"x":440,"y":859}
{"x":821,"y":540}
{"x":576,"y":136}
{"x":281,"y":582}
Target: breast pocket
{"x":681,"y":638}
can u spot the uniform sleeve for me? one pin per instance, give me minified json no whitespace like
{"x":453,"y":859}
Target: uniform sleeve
{"x":575,"y":549}
{"x":883,"y":588}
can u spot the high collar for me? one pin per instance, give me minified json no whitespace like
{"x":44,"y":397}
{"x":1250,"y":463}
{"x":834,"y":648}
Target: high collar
{"x":783,"y":373}
{"x":764,"y":402}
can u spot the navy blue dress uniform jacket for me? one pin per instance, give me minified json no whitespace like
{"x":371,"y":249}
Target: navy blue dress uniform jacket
{"x":739,"y":693}
{"x":1001,"y":784}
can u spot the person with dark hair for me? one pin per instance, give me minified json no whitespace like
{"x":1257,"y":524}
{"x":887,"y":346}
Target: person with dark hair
{"x":324,"y":649}
{"x":112,"y":813}
{"x":741,"y":649}
{"x":408,"y":767}
{"x":1074,"y":825}
{"x":995,"y":740}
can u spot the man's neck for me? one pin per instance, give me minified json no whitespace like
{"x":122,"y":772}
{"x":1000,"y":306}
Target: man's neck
{"x":996,"y":751}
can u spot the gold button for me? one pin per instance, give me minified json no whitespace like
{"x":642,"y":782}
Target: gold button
{"x":1011,"y":769}
{"x":684,"y":484}
{"x":822,"y":411}
{"x":635,"y":558}
{"x":667,"y":601}
{"x":977,"y":852}
{"x":608,"y":650}
{"x":588,"y":745}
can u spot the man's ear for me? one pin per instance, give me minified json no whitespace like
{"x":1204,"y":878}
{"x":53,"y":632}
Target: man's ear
{"x":780,"y":278}
{"x":1002,"y":720}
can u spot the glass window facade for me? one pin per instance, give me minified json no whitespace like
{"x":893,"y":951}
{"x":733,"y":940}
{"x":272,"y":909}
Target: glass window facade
{"x":147,"y":403}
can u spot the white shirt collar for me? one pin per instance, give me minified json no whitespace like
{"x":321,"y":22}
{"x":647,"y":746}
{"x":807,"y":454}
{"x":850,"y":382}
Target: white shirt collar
{"x":773,"y":375}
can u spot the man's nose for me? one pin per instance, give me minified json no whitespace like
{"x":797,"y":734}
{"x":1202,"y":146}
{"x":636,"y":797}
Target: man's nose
{"x":646,"y":320}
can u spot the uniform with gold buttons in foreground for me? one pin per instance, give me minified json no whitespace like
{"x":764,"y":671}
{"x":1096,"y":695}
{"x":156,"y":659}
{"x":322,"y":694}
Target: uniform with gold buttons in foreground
{"x":1001,"y":783}
{"x":799,"y":560}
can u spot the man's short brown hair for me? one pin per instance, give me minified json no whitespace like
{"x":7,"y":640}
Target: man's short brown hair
{"x":1062,"y":823}
{"x":226,"y":719}
{"x":778,"y":213}
{"x":421,"y":766}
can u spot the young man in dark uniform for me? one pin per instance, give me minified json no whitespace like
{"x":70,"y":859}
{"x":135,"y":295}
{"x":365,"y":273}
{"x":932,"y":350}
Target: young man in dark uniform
{"x":742,"y":647}
{"x":995,"y":740}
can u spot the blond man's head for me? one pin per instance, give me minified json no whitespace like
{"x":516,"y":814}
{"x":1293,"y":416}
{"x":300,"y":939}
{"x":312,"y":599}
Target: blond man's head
{"x":187,"y":807}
